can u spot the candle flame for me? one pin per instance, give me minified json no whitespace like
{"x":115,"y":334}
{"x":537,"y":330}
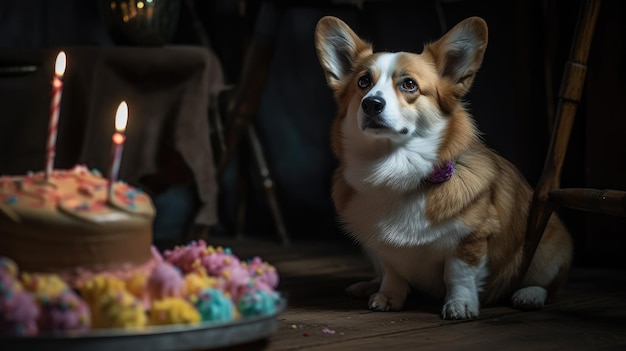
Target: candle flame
{"x":121,"y":117}
{"x":59,"y":66}
{"x":118,"y":138}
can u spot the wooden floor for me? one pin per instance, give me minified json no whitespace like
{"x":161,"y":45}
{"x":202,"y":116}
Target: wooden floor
{"x":591,"y":314}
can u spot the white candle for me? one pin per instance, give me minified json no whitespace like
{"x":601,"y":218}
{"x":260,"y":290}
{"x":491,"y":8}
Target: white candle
{"x":121,"y":118}
{"x":55,"y":107}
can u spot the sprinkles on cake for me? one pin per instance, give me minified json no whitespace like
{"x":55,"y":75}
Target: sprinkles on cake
{"x":84,"y":189}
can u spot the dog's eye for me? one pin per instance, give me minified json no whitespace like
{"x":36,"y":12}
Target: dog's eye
{"x":365,"y":81}
{"x":408,"y":85}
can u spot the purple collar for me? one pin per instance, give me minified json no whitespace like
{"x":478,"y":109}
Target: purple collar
{"x":441,"y":173}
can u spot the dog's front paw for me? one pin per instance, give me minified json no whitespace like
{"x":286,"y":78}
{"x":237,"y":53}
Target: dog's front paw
{"x":529,"y":298}
{"x":381,"y":302}
{"x":460,"y":309}
{"x":363,"y":290}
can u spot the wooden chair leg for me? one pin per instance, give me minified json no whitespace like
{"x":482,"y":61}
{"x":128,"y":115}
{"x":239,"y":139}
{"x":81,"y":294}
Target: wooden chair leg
{"x":268,"y":185}
{"x":242,"y":109}
{"x":242,"y":194}
{"x":243,"y":106}
{"x":569,"y":96}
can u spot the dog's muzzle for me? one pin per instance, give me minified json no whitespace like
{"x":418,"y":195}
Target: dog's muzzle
{"x":373,"y":105}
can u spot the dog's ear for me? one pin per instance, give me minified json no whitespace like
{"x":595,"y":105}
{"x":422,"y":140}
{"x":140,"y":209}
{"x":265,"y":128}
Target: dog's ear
{"x":338,"y":47}
{"x":459,"y":53}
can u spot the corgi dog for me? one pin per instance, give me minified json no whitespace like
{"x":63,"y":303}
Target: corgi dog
{"x":416,"y":187}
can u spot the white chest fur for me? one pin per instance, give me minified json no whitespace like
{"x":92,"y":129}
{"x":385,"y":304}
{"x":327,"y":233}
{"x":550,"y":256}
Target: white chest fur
{"x":380,"y":216}
{"x":393,"y":228}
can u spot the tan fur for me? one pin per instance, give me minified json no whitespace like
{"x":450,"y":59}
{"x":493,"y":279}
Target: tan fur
{"x":483,"y":207}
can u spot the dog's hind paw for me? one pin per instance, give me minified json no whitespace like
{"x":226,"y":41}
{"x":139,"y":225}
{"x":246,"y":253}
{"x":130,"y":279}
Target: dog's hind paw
{"x":363,"y":290}
{"x":459,"y":309}
{"x":529,"y":298}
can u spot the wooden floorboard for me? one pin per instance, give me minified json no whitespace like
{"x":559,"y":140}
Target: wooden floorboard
{"x":590,"y":314}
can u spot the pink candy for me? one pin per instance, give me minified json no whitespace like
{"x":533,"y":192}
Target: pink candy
{"x":165,"y":281}
{"x":263,"y":271}
{"x":18,"y":310}
{"x":217,"y":261}
{"x":236,"y":280}
{"x":185,"y":257}
{"x":66,"y":311}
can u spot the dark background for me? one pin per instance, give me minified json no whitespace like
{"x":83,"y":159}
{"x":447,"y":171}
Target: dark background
{"x":512,"y":97}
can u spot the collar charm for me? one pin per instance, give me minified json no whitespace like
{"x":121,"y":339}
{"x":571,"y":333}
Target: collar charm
{"x":441,"y":173}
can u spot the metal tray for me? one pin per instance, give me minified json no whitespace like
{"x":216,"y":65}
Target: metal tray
{"x":205,"y":336}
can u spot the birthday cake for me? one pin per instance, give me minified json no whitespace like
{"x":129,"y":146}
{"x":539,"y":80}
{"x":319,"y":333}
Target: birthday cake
{"x":69,"y":222}
{"x":77,"y":255}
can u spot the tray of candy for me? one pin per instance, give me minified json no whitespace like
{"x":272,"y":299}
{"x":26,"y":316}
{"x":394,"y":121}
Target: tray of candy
{"x":203,"y":336}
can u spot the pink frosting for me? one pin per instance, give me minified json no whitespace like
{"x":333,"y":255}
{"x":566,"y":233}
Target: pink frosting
{"x":165,"y":281}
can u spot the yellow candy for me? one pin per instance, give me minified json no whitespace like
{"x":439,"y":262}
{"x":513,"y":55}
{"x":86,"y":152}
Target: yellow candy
{"x":98,"y":285}
{"x":118,"y":309}
{"x":173,"y":310}
{"x":198,"y":280}
{"x":112,"y":306}
{"x":43,"y":284}
{"x":136,"y":284}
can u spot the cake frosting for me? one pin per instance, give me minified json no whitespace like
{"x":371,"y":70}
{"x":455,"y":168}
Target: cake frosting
{"x":68,"y":223}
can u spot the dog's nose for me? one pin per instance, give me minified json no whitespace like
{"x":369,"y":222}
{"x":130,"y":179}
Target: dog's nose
{"x":373,"y":105}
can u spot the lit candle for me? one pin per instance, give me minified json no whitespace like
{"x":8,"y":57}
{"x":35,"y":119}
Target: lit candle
{"x":55,"y":106}
{"x":121,"y":118}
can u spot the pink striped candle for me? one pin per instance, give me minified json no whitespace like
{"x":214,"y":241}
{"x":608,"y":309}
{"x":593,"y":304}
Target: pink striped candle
{"x":55,"y":107}
{"x":121,"y":118}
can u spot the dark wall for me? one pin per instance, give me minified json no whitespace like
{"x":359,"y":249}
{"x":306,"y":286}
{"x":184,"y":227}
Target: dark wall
{"x":47,"y":23}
